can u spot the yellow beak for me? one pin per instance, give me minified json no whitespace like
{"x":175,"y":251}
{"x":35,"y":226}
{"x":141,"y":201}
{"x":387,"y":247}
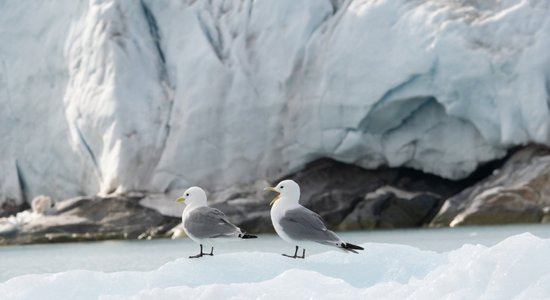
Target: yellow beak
{"x":272,"y":189}
{"x":180,"y":199}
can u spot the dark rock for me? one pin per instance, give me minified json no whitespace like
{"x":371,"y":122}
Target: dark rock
{"x":10,"y":207}
{"x":389,"y":210}
{"x":91,"y":218}
{"x":247,"y":206}
{"x":347,"y":197}
{"x":519,"y":192}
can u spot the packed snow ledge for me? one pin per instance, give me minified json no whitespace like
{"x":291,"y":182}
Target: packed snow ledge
{"x":516,"y":268}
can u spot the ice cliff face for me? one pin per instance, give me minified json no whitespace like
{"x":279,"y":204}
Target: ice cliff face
{"x":115,"y":96}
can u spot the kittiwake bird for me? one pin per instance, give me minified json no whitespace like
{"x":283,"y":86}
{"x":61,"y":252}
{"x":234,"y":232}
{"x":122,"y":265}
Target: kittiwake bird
{"x":205,"y":224}
{"x":298,"y":225}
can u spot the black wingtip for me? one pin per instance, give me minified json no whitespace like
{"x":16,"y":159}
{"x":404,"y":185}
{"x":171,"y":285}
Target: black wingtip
{"x":248,"y":236}
{"x":351,"y":247}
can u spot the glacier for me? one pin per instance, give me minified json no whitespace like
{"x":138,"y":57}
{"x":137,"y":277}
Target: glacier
{"x":515,"y":268}
{"x":111,"y":96}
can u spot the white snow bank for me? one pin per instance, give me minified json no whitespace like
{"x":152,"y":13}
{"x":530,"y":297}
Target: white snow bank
{"x":113,"y":96}
{"x":516,"y":268}
{"x":13,"y":223}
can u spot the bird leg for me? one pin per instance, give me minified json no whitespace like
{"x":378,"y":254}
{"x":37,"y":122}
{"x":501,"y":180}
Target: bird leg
{"x":211,"y":252}
{"x":303,"y":254}
{"x":296,"y":254}
{"x":200,"y":254}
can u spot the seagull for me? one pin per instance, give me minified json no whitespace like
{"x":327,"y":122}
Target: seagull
{"x":204,"y":224}
{"x":297,"y":225}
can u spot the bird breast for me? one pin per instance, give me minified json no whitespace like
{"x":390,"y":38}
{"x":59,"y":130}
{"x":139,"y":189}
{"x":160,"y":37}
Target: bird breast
{"x":278,"y":210}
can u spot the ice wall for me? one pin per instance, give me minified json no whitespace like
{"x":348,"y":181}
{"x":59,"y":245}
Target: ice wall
{"x":114,"y":96}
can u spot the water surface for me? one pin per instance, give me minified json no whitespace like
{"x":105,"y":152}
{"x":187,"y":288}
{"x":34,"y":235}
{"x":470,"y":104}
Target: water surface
{"x":113,"y":256}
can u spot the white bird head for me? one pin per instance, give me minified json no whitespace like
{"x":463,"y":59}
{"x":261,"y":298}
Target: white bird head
{"x":193,"y":196}
{"x":288,"y":190}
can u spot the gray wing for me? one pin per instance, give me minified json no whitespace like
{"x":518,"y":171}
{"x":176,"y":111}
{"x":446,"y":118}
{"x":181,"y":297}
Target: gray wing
{"x":207,"y":222}
{"x":302,"y":224}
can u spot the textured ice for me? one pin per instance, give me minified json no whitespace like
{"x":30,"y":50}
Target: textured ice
{"x":114,"y":96}
{"x":516,"y":268}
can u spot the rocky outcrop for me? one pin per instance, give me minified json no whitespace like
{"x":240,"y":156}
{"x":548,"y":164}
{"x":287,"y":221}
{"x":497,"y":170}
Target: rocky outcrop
{"x":348,"y":197}
{"x":519,"y":192}
{"x":84,"y":219}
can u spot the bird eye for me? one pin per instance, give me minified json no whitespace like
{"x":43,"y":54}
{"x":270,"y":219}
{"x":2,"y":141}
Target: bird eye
{"x":187,"y":195}
{"x":281,"y":187}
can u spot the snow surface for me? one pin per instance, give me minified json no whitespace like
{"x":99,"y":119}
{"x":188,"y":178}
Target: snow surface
{"x":516,"y":268}
{"x":114,"y":96}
